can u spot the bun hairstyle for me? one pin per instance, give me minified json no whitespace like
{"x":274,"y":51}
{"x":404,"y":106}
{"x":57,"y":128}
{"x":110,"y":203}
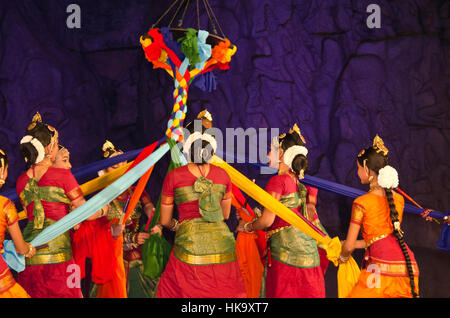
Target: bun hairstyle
{"x":109,"y":150}
{"x":294,"y":142}
{"x":196,"y":151}
{"x":38,"y":136}
{"x":376,"y":159}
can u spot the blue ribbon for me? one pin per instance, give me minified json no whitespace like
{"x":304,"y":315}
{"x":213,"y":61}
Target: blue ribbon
{"x":99,"y":200}
{"x":15,"y":261}
{"x":204,"y":50}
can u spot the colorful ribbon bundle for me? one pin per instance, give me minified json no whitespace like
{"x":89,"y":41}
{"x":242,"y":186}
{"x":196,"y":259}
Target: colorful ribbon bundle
{"x":197,"y":59}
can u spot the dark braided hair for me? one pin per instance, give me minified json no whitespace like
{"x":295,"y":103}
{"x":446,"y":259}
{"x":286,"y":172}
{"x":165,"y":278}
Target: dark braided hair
{"x":375,"y":160}
{"x":399,"y":235}
{"x":300,"y":162}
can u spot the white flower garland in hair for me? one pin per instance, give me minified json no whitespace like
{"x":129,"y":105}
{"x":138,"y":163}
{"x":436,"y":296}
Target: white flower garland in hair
{"x":388,"y":177}
{"x":196,"y":135}
{"x":291,"y":152}
{"x":37,"y":145}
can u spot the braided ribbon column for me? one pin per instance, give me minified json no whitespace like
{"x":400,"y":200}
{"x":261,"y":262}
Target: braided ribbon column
{"x":183,"y":72}
{"x":180,"y":94}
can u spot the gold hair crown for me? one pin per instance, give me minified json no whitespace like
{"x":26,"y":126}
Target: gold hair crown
{"x":297,"y":130}
{"x":379,"y":146}
{"x":36,"y":119}
{"x":205,"y":114}
{"x":109,"y":145}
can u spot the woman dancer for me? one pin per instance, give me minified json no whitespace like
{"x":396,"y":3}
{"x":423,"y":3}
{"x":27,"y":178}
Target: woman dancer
{"x":379,"y":213}
{"x":46,"y":194}
{"x":9,"y":220}
{"x":128,"y":251}
{"x":294,"y":269}
{"x":203,"y":262}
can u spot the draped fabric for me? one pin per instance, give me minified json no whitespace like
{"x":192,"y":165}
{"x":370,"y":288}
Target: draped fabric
{"x":347,"y":276}
{"x":332,"y":246}
{"x":203,"y":263}
{"x":99,"y":200}
{"x":383,"y":253}
{"x":8,"y":286}
{"x":249,"y":257}
{"x":156,"y":250}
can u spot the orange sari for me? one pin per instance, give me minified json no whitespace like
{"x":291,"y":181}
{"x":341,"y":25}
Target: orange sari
{"x":384,"y":273}
{"x":115,"y":288}
{"x":8,"y":286}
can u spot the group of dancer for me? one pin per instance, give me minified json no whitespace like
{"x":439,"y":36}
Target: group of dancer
{"x":203,"y":261}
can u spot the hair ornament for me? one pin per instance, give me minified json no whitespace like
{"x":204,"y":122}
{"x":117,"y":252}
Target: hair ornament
{"x":205,"y":114}
{"x":378,"y":145}
{"x":291,"y":152}
{"x":37,"y":145}
{"x":388,"y":177}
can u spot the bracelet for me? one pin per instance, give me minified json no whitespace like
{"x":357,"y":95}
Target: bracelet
{"x":175,"y":226}
{"x":343,"y":259}
{"x":245,"y":227}
{"x":30,"y":249}
{"x":134,"y":240}
{"x":160,"y":226}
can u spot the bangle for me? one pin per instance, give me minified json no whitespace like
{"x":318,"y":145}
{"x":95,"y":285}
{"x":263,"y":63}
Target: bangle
{"x":30,"y":249}
{"x":343,"y":259}
{"x":245,"y":227}
{"x":135,"y":238}
{"x":175,"y":226}
{"x":160,"y":226}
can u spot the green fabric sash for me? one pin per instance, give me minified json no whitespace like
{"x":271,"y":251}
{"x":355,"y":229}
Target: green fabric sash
{"x":208,"y":195}
{"x":189,"y":46}
{"x":290,"y":245}
{"x":194,"y":238}
{"x":58,"y":250}
{"x":37,"y":194}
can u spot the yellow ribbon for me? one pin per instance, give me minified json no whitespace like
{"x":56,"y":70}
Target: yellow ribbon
{"x":331,"y":245}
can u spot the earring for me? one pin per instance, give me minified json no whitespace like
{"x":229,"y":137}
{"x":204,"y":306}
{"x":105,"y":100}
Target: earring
{"x":2,"y":181}
{"x":370,"y":178}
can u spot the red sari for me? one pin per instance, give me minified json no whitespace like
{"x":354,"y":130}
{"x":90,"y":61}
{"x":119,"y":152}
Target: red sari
{"x":306,"y":278}
{"x":181,"y":279}
{"x":49,"y":275}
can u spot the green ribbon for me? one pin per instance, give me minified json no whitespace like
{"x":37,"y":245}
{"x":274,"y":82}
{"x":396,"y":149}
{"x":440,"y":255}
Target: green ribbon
{"x":189,"y":46}
{"x":34,"y":193}
{"x":209,"y":200}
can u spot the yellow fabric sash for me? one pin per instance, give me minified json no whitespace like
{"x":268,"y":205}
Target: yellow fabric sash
{"x":347,"y":276}
{"x":331,"y":245}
